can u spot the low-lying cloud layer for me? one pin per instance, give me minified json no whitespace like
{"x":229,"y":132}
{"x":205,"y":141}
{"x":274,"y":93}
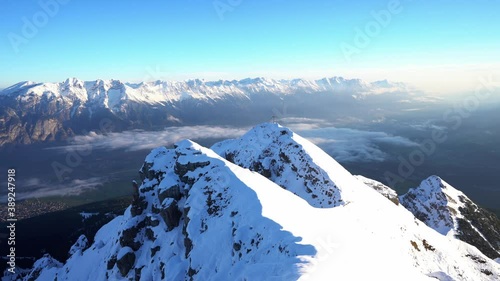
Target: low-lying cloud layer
{"x":36,"y":188}
{"x":345,"y":145}
{"x":351,"y":145}
{"x":140,"y":140}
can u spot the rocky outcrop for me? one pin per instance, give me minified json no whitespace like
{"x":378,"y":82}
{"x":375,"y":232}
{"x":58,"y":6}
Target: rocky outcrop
{"x":381,"y":188}
{"x":450,"y":212}
{"x":45,"y":263}
{"x":170,"y":213}
{"x":274,"y":153}
{"x":126,"y":261}
{"x":79,"y":246}
{"x":480,"y":228}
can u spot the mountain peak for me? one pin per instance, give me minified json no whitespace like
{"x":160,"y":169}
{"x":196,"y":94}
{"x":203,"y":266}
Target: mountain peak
{"x":435,"y":183}
{"x":17,"y":87}
{"x":434,"y":202}
{"x":72,"y":81}
{"x":294,"y":163}
{"x":197,"y":216}
{"x":450,"y":212}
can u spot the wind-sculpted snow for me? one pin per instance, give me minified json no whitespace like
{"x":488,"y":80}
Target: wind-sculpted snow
{"x":197,"y":216}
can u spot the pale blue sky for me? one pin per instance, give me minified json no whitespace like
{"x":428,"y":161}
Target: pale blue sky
{"x":430,"y":44}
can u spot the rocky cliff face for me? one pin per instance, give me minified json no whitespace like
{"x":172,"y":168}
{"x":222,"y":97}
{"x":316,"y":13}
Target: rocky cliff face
{"x":450,"y":212}
{"x":28,"y":128}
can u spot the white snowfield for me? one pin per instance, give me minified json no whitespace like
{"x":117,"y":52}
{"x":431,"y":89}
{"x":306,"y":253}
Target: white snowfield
{"x":239,"y":225}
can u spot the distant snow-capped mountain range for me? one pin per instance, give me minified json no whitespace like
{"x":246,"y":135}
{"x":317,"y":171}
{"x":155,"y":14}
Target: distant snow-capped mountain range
{"x":112,"y":93}
{"x":32,"y":112}
{"x":273,"y":206}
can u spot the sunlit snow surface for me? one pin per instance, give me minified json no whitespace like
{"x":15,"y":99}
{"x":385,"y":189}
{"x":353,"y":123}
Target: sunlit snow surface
{"x":243,"y":226}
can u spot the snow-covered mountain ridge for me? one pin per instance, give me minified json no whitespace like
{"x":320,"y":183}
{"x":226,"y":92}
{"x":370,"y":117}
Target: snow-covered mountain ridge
{"x":109,"y":93}
{"x":32,"y":112}
{"x":197,"y":216}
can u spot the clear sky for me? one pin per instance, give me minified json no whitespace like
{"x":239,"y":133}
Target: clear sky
{"x":439,"y":46}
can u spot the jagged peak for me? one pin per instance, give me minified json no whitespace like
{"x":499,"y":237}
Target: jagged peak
{"x":294,"y":163}
{"x":450,"y":212}
{"x":436,"y":203}
{"x":72,"y":81}
{"x":435,"y":185}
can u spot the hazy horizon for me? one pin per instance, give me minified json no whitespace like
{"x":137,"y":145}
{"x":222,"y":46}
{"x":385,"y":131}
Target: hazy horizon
{"x":440,"y":49}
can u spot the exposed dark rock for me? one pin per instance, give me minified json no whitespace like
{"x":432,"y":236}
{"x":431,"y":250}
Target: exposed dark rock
{"x":162,"y":268}
{"x":138,"y":203}
{"x":171,"y":215}
{"x":154,"y":250}
{"x":472,"y":223}
{"x":188,"y":244}
{"x":111,"y":262}
{"x":173,"y":191}
{"x":126,"y":263}
{"x":150,"y":221}
{"x":191,"y":272}
{"x":127,"y":239}
{"x":259,"y":168}
{"x":414,"y":244}
{"x":182,"y":169}
{"x":468,"y":234}
{"x":428,"y":246}
{"x":150,"y":234}
{"x":138,"y":273}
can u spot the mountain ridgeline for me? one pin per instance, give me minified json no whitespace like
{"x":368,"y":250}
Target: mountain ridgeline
{"x":36,"y":112}
{"x":273,"y":206}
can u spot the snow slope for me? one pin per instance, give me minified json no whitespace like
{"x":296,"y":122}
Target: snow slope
{"x":452,"y":213}
{"x":196,"y":216}
{"x":381,"y":188}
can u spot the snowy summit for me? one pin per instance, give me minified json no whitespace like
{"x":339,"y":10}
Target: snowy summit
{"x":268,"y":206}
